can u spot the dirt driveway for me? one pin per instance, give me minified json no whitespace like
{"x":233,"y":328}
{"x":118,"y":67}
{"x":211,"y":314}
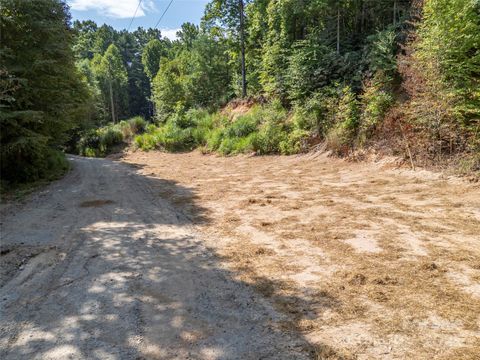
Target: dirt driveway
{"x":186,"y":256}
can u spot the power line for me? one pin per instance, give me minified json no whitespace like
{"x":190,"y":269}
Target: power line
{"x":133,"y":17}
{"x":161,"y":17}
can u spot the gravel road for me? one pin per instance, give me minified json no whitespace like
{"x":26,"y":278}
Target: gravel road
{"x":99,"y":266}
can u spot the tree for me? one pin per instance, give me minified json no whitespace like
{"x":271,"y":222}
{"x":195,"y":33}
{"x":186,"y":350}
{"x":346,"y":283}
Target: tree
{"x":187,"y":34}
{"x":85,"y":32}
{"x":231,"y":13}
{"x":43,"y":96}
{"x":112,"y":75}
{"x":151,"y":55}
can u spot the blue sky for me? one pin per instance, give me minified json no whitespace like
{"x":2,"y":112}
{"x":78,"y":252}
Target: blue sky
{"x":118,"y":13}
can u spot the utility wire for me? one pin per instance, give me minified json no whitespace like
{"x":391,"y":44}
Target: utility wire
{"x":133,"y":17}
{"x":161,"y":17}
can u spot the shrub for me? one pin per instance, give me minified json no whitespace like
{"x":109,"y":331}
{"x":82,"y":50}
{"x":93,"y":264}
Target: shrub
{"x":147,"y":141}
{"x":317,"y":113}
{"x":376,"y":101}
{"x":241,"y":127}
{"x":89,"y":144}
{"x":173,"y":138}
{"x":268,"y":139}
{"x":237,"y":145}
{"x":99,"y":142}
{"x":264,"y":129}
{"x":381,"y":51}
{"x":109,"y":137}
{"x":294,"y":143}
{"x":340,"y":137}
{"x":214,"y":139}
{"x":131,"y":127}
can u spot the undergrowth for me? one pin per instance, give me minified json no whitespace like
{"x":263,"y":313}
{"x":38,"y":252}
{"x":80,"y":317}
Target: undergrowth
{"x":100,"y":142}
{"x":266,"y":129}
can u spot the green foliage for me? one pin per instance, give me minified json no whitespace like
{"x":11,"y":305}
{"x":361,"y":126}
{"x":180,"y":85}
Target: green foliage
{"x":111,"y":75}
{"x":312,"y":66}
{"x":100,"y":142}
{"x":342,"y":118}
{"x":450,"y":41}
{"x":242,"y":127}
{"x":181,"y":132}
{"x":381,"y":52}
{"x":269,"y":137}
{"x":295,"y":142}
{"x":169,"y":137}
{"x":43,"y":96}
{"x":195,"y":77}
{"x":152,"y":53}
{"x":263,"y":130}
{"x":376,"y":100}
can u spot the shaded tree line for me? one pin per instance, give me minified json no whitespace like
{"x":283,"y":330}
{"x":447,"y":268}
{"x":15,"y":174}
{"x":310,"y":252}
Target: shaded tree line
{"x":349,"y":72}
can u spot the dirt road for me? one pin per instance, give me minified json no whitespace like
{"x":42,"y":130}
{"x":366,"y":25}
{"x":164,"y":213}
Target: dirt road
{"x":98,"y":266}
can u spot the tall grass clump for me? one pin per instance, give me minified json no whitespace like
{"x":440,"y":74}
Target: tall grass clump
{"x":100,"y":142}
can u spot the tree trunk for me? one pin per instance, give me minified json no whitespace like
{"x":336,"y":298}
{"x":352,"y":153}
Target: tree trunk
{"x":362,"y":20}
{"x":242,"y":45}
{"x":111,"y":100}
{"x":338,"y":30}
{"x":394,"y":12}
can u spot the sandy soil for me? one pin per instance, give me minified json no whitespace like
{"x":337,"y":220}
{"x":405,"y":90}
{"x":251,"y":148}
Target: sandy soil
{"x":99,"y":266}
{"x":191,"y":256}
{"x":361,"y":260}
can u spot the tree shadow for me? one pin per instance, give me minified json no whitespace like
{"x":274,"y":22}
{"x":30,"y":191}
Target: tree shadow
{"x":132,"y":279}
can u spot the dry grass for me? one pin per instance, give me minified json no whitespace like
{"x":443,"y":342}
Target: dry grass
{"x":360,"y":260}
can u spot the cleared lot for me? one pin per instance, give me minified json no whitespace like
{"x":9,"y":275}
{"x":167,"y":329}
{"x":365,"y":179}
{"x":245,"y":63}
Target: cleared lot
{"x":362,"y":260}
{"x":188,"y":256}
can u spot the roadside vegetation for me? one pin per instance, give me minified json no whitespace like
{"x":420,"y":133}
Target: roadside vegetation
{"x":102,"y":141}
{"x":266,"y":129}
{"x":398,"y":77}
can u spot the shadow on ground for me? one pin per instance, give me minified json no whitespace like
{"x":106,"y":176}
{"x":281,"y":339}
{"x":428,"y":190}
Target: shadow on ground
{"x":125,"y":276}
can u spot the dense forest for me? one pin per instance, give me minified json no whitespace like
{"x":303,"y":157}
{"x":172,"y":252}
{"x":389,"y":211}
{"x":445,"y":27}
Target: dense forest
{"x":397,"y":75}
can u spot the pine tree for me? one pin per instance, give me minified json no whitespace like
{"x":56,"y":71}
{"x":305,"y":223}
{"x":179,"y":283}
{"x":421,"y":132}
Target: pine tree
{"x":44,"y":96}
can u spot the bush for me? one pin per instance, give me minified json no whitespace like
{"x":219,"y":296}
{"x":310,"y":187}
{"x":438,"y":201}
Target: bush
{"x":317,"y":113}
{"x":147,"y":141}
{"x":237,"y":145}
{"x":89,"y":143}
{"x":269,"y":137}
{"x":173,"y":138}
{"x":294,"y":143}
{"x":264,"y":129}
{"x":214,"y":138}
{"x":340,"y":137}
{"x":99,"y":142}
{"x":241,"y":127}
{"x":109,"y":137}
{"x":131,"y":127}
{"x":376,"y":101}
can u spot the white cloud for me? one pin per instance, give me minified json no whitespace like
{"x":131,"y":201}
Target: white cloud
{"x":169,"y":33}
{"x":113,"y":8}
